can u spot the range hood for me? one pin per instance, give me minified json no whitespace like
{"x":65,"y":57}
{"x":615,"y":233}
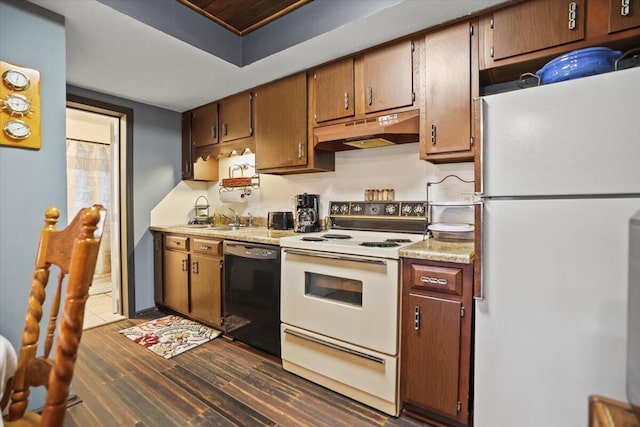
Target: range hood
{"x":390,"y":129}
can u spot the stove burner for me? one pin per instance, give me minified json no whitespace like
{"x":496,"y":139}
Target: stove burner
{"x":313,"y":239}
{"x":336,"y":236}
{"x":386,"y":244}
{"x":398,"y":240}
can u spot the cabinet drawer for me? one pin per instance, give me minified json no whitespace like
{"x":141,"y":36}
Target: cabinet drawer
{"x":176,"y":242}
{"x":441,"y":279}
{"x":207,"y":246}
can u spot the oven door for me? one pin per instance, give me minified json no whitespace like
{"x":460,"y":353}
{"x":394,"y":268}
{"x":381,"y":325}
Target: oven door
{"x":347,"y":297}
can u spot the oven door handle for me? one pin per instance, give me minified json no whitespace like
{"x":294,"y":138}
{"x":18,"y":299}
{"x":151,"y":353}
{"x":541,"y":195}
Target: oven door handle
{"x":333,"y":256}
{"x":334,"y":346}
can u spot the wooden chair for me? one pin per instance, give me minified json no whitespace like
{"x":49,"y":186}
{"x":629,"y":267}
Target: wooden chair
{"x":74,"y":250}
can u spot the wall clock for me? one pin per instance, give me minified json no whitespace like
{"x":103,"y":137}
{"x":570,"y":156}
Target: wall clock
{"x":19,"y":106}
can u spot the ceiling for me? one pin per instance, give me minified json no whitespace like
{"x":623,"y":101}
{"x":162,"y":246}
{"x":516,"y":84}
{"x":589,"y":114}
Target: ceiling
{"x":243,"y":16}
{"x":172,"y":57}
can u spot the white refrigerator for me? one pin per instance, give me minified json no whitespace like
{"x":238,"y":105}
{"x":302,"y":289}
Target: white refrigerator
{"x":560,"y":180}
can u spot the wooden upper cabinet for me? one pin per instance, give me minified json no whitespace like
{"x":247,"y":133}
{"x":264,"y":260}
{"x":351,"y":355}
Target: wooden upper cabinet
{"x":281,"y":123}
{"x":535,"y":25}
{"x":334,"y":89}
{"x":204,"y":125}
{"x":446,"y":130}
{"x":236,"y":117}
{"x":388,"y":77}
{"x":187,"y":152}
{"x":623,"y":15}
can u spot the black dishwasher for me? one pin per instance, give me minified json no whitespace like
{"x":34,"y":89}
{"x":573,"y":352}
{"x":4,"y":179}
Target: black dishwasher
{"x":252,"y":294}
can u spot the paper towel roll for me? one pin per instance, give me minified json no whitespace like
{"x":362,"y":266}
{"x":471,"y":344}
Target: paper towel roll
{"x":233,"y":197}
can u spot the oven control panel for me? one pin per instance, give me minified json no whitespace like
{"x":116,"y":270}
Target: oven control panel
{"x":414,"y":209}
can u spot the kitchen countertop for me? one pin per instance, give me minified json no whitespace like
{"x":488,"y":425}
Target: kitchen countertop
{"x":245,"y":234}
{"x":441,"y":250}
{"x":429,"y":249}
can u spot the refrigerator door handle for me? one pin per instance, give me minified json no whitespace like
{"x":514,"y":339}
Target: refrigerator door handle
{"x":481,"y":155}
{"x":479,"y":296}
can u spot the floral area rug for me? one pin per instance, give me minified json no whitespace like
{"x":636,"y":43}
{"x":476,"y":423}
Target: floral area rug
{"x":170,"y":335}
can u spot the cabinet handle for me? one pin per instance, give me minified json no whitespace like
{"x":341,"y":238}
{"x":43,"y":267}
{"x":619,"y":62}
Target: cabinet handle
{"x":572,"y":15}
{"x":204,"y":248}
{"x":184,"y":265}
{"x":346,"y":100}
{"x":214,"y":132}
{"x":416,"y":318}
{"x":370,"y":95}
{"x":625,"y":8}
{"x":194,"y":267}
{"x":224,"y":129}
{"x":343,"y":349}
{"x":433,"y":134}
{"x":187,"y":167}
{"x":300,"y":150}
{"x":434,"y":280}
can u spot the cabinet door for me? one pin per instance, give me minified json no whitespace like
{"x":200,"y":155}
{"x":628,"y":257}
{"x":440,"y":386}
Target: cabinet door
{"x":204,"y":125}
{"x":448,"y":91}
{"x":535,"y":25}
{"x":187,"y":153}
{"x":334,"y":91}
{"x":158,"y":291}
{"x":176,"y":280}
{"x":281,"y":123}
{"x":235,"y":117}
{"x":623,"y":15}
{"x":388,"y":77}
{"x":432,"y":327}
{"x":206,"y":288}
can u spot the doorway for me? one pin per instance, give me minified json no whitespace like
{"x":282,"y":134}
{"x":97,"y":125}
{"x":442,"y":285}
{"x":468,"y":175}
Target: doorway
{"x":96,"y":149}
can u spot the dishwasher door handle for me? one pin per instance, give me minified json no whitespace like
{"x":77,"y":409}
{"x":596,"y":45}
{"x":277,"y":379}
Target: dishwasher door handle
{"x":334,"y":346}
{"x":334,"y":256}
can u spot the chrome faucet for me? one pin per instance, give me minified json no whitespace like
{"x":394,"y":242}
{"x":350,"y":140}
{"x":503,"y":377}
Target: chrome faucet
{"x":236,"y":218}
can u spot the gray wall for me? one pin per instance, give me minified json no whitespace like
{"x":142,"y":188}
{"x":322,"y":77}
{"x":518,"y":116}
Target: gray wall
{"x":31,"y":181}
{"x":156,"y":170}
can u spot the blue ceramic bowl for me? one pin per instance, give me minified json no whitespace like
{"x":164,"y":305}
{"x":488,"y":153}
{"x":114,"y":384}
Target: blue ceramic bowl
{"x":578,"y":63}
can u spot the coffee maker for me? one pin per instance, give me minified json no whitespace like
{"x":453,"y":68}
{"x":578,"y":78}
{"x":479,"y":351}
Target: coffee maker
{"x":307,"y":216}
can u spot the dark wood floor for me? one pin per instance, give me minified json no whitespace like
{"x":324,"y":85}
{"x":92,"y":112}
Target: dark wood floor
{"x":220,"y":383}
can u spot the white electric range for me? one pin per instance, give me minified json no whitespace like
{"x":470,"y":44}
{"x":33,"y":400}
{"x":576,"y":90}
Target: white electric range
{"x":340,"y":299}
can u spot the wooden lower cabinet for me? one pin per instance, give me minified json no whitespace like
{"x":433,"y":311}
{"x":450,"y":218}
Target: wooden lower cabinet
{"x":206,"y":281}
{"x":192,"y":278}
{"x":435,"y":354}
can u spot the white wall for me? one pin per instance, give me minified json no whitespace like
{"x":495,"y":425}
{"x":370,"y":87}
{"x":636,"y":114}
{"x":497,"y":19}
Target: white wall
{"x":398,"y":167}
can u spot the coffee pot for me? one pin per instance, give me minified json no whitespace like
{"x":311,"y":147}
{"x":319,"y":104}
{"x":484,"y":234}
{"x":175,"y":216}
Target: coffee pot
{"x":307,"y":216}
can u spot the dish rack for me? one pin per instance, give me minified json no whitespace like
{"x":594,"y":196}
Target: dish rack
{"x":455,"y":231}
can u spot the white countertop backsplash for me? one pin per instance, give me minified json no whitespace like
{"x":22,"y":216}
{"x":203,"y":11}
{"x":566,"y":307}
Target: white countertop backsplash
{"x":398,"y":167}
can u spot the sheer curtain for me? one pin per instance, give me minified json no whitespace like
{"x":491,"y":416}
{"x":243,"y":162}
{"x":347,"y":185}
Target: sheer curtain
{"x":89,"y":182}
